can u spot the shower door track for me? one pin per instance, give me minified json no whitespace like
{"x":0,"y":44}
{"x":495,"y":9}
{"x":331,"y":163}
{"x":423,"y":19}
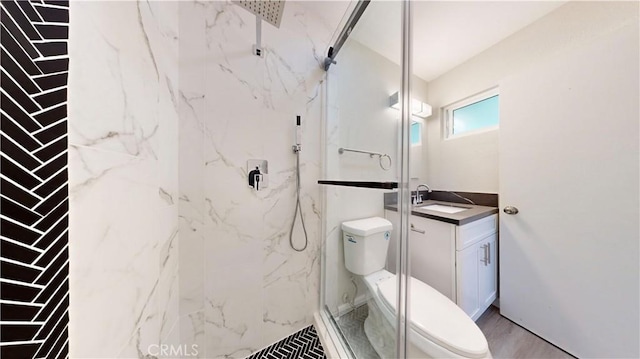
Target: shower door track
{"x":346,"y":31}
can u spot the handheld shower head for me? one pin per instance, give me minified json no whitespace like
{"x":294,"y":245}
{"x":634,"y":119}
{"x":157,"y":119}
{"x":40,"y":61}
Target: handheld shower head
{"x":297,"y":147}
{"x":296,"y":150}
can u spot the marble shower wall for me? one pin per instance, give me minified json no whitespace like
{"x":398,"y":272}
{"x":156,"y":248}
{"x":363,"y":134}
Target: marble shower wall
{"x":168,"y":243}
{"x":241,"y":285}
{"x":123,"y":176}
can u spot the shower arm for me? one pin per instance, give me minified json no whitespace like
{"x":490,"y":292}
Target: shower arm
{"x":257,"y":49}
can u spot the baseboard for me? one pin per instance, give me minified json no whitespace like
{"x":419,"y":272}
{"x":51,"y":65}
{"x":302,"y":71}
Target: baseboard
{"x":496,"y":303}
{"x":345,"y":308}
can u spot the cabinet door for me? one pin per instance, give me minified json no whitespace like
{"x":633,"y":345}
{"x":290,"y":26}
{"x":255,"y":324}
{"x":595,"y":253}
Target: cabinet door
{"x":468,"y":270}
{"x":476,"y":276}
{"x":432,"y":254}
{"x":487,"y":283}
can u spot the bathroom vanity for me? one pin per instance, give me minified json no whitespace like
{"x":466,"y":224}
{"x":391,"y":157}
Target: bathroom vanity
{"x":455,"y":253}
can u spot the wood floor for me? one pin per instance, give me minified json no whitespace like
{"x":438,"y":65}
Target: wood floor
{"x":508,"y":340}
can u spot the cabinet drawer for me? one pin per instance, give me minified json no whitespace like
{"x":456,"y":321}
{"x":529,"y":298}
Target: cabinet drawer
{"x":472,"y":232}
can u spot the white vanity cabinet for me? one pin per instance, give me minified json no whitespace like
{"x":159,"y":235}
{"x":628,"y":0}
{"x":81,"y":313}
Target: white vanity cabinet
{"x":458,"y":261}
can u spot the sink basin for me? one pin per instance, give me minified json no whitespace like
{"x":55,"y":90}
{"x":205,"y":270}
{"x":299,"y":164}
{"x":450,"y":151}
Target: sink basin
{"x":443,"y":208}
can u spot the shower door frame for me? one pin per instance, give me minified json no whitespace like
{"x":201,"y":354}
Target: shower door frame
{"x":403,"y":274}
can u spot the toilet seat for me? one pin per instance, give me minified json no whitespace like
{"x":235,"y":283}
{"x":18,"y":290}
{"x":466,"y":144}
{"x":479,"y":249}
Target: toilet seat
{"x":435,"y":319}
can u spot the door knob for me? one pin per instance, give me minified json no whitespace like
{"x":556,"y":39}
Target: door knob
{"x":510,"y":210}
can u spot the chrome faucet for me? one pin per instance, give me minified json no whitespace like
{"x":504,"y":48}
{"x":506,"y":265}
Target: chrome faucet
{"x":418,"y":198}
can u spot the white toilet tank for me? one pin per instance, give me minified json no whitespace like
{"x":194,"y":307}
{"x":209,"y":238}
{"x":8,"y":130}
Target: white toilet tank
{"x":365,"y":244}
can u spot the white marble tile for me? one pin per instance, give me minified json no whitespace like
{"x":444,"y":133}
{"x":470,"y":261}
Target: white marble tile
{"x":192,"y":112}
{"x":123,"y":121}
{"x":252,"y":116}
{"x":123,"y":254}
{"x":233,"y":135}
{"x":191,"y":204}
{"x":291,"y":285}
{"x":191,"y":156}
{"x":192,"y":264}
{"x":168,"y":151}
{"x":292,"y":63}
{"x":231,"y":66}
{"x":192,"y":334}
{"x":174,"y":242}
{"x":160,"y":317}
{"x":116,"y":107}
{"x":233,"y":300}
{"x":191,"y":105}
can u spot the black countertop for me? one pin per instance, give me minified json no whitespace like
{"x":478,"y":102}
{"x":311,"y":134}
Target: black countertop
{"x":473,"y":213}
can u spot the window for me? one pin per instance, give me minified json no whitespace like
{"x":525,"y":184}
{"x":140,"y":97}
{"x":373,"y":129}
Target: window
{"x":416,"y":133}
{"x":476,"y":114}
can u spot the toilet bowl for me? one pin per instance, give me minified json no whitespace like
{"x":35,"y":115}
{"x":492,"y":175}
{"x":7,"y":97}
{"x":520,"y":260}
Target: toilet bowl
{"x":438,"y":327}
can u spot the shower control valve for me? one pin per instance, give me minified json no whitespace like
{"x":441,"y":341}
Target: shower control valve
{"x":257,"y":173}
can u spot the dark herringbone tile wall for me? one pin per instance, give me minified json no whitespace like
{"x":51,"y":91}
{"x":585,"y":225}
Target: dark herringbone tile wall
{"x":34,"y":259}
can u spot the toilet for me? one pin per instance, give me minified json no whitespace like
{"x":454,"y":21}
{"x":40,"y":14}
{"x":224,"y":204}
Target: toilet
{"x":439,"y":328}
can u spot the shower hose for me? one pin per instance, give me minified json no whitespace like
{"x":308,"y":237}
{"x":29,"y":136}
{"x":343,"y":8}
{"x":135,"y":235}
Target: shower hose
{"x":298,"y":209}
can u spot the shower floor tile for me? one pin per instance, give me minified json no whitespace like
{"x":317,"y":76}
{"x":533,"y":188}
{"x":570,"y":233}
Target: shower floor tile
{"x":303,"y":344}
{"x":352,"y":326}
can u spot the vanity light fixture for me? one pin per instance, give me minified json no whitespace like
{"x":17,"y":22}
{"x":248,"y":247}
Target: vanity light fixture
{"x":418,"y":108}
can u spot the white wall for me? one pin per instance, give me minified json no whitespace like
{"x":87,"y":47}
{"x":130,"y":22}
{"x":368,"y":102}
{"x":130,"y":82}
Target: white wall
{"x":358,"y":117}
{"x":598,"y":279}
{"x":123,"y":148}
{"x":471,"y":163}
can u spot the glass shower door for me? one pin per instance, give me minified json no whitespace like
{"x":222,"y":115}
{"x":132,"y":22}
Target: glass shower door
{"x":366,"y":168}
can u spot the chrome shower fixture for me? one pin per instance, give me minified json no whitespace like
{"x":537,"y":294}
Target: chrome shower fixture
{"x":296,"y":150}
{"x":297,"y":147}
{"x":267,"y":10}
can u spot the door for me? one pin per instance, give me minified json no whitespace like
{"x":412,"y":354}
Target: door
{"x":569,"y":163}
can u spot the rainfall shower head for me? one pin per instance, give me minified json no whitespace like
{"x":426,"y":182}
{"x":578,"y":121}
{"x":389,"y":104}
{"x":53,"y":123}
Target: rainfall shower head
{"x":268,"y":10}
